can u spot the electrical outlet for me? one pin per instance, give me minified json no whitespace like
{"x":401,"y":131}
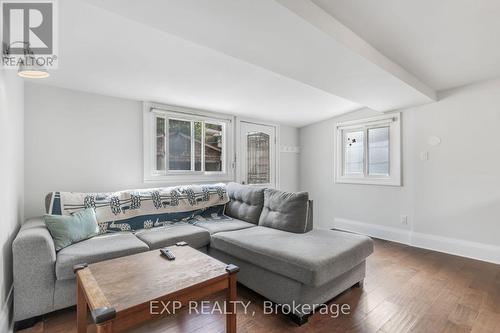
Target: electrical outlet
{"x":404,"y":219}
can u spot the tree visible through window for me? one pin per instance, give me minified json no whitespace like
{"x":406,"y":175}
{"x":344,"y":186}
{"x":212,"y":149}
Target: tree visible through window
{"x":179,"y":144}
{"x":192,"y":145}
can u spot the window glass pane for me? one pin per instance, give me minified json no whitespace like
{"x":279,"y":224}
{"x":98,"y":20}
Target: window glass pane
{"x":258,"y":158}
{"x":213,"y":147}
{"x":378,"y":151}
{"x":353,"y":153}
{"x":160,"y":144}
{"x":198,"y":127}
{"x":179,"y":144}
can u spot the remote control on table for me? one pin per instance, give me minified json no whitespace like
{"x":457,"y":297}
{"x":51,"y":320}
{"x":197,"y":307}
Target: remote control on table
{"x":181,"y":243}
{"x":167,"y":253}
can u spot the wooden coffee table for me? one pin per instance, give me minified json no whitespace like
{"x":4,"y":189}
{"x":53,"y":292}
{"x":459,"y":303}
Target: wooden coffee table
{"x":118,"y":292}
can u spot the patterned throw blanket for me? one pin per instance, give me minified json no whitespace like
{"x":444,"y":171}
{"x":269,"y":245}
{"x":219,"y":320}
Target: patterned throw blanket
{"x":143,"y":209}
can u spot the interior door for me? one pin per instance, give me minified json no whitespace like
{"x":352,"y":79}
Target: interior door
{"x":257,"y":154}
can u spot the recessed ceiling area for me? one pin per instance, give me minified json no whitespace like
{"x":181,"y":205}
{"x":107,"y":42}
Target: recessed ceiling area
{"x":445,"y":43}
{"x":290,"y":61}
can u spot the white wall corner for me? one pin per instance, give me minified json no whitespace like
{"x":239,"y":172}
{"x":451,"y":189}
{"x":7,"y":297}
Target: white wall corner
{"x":454,"y":246}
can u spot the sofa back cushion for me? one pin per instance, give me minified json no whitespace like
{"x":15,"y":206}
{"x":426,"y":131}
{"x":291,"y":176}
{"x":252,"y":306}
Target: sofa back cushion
{"x":132,"y":210}
{"x":245,"y":203}
{"x":285,"y":211}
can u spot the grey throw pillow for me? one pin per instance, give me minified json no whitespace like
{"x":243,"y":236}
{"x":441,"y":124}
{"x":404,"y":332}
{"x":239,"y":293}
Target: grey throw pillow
{"x":285,"y":211}
{"x":70,"y":229}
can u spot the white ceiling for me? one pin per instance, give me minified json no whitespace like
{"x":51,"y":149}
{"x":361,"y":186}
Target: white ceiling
{"x":285,"y":37}
{"x":283,"y":60}
{"x":445,"y":43}
{"x":105,"y":53}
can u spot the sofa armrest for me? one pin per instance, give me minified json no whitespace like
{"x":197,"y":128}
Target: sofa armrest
{"x":34,"y":258}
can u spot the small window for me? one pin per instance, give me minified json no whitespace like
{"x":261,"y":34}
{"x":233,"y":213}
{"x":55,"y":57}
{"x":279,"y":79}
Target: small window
{"x":187,"y":146}
{"x":258,"y":158}
{"x":378,"y":151}
{"x":368,"y":151}
{"x":353,"y":152}
{"x":179,"y":139}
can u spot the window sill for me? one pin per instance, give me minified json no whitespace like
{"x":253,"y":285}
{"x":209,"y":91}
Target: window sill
{"x":193,"y":178}
{"x":370,"y":181}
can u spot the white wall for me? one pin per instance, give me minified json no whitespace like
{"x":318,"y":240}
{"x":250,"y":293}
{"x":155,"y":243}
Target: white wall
{"x":451,"y":198}
{"x":83,"y":142}
{"x":11,"y":180}
{"x":76,"y":141}
{"x":289,"y":161}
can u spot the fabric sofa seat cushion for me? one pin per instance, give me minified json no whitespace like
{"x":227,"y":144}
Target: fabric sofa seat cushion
{"x":99,"y":248}
{"x":157,"y":238}
{"x":215,"y":226}
{"x":245,"y":203}
{"x":287,"y":211}
{"x":312,"y":258}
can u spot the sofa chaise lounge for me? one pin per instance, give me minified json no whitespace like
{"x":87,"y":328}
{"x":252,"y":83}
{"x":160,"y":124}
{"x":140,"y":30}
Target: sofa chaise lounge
{"x":280,"y":257}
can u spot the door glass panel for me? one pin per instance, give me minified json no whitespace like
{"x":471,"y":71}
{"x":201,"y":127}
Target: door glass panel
{"x":179,"y":144}
{"x":198,"y":127}
{"x":213,"y":147}
{"x":353,"y":153}
{"x":258,"y":158}
{"x":160,"y":144}
{"x":378,"y":151}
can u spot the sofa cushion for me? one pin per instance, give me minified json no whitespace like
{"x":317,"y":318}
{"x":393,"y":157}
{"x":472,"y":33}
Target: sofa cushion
{"x":285,"y":211}
{"x":157,"y":238}
{"x":215,"y":226}
{"x":312,"y":258}
{"x":245,"y":202}
{"x":96,"y":249}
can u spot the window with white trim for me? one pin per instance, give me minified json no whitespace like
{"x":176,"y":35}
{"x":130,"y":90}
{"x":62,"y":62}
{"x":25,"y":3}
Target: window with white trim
{"x":187,"y":145}
{"x":368,"y":151}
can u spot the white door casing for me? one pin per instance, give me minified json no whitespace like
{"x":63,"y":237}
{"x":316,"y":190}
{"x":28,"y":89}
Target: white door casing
{"x":257,"y":147}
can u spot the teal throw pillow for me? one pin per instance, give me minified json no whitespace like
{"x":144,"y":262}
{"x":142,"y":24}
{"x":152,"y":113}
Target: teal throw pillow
{"x":70,"y":229}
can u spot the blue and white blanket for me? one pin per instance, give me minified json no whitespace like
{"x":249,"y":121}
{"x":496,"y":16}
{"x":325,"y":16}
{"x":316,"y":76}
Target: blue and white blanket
{"x":131,"y":210}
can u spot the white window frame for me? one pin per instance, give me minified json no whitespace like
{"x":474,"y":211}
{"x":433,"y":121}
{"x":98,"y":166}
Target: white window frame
{"x":393,"y":120}
{"x":152,"y":111}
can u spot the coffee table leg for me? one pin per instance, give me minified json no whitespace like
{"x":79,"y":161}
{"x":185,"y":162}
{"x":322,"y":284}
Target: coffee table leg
{"x":81,"y":309}
{"x":105,"y":328}
{"x":231,"y":299}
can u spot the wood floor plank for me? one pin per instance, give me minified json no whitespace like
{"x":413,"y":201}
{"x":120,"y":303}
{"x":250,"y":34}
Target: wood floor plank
{"x":406,"y":290}
{"x":487,"y":322}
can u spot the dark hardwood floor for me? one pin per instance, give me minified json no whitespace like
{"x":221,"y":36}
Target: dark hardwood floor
{"x":406,"y":290}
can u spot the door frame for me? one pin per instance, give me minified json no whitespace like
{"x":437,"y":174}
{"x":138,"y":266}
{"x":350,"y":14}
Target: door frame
{"x":277,"y":149}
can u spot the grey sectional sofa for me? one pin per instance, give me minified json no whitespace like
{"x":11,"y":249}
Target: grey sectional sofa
{"x":307,"y":266}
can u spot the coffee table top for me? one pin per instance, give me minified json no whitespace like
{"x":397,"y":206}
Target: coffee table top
{"x":128,"y":281}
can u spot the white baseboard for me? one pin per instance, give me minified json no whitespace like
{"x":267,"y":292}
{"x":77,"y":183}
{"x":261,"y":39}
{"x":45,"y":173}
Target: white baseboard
{"x":373,"y":230}
{"x":5,"y":324}
{"x":459,"y":247}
